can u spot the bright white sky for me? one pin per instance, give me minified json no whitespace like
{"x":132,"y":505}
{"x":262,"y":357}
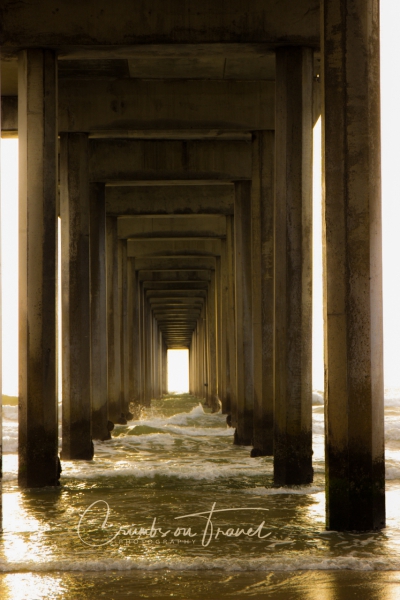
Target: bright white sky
{"x":390,"y":99}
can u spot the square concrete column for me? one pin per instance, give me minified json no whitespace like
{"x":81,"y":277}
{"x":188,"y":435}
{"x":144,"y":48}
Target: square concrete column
{"x":75,"y":279}
{"x":37,"y":125}
{"x":231,"y":319}
{"x":113,"y":322}
{"x":354,"y":451}
{"x":293,"y":267}
{"x":262,"y":237}
{"x":146,"y":349}
{"x":133,"y":332}
{"x":123,"y":297}
{"x":202,"y":354}
{"x":212,"y":344}
{"x":164,"y":367}
{"x":98,"y":311}
{"x":244,"y":342}
{"x":221,"y":278}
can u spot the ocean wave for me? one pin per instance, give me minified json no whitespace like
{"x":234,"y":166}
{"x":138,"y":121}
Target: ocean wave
{"x":299,"y":490}
{"x":283,"y":562}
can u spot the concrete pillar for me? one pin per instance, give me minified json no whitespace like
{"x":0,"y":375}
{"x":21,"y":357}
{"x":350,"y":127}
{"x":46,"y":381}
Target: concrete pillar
{"x":165,"y":368}
{"x":142,"y":346}
{"x":192,"y":366}
{"x":160,"y":361}
{"x":220,"y":348}
{"x":98,"y":311}
{"x":355,"y":470}
{"x":223,"y":325}
{"x":202,"y":354}
{"x":293,"y":267}
{"x":212,"y":344}
{"x":37,"y":125}
{"x":113,"y":323}
{"x":123,"y":297}
{"x":262,"y":235}
{"x":133,"y":332}
{"x":146,"y":352}
{"x":244,"y":344}
{"x":231,"y":320}
{"x":75,"y":277}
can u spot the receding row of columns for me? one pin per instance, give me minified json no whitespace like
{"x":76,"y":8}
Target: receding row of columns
{"x":261,"y":282}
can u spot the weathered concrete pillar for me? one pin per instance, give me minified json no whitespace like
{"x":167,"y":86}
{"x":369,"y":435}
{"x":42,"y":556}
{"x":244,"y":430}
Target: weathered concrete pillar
{"x":355,"y":470}
{"x":37,"y":125}
{"x":98,"y":311}
{"x":154,"y":356}
{"x":133,"y":332}
{"x":293,"y":267}
{"x":220,"y":347}
{"x":146,"y":345}
{"x":244,"y":344}
{"x":160,"y":361}
{"x":165,"y":368}
{"x":142,"y":353}
{"x":231,"y":319}
{"x":192,"y":364}
{"x":206,"y":350}
{"x":113,"y":323}
{"x":212,"y":344}
{"x":224,"y":394}
{"x":123,"y":297}
{"x":75,"y":277}
{"x":262,"y":235}
{"x":202,"y":355}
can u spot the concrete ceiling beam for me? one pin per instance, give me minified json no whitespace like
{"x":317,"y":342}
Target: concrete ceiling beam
{"x":175,"y":263}
{"x":172,"y":199}
{"x":153,"y":248}
{"x":134,"y":104}
{"x":178,"y":226}
{"x":90,"y":25}
{"x":133,"y":160}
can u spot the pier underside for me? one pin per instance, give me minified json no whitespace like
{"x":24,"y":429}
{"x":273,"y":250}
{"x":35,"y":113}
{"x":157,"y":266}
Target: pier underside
{"x":174,"y":141}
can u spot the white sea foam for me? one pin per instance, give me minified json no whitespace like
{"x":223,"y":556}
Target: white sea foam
{"x":317,"y":398}
{"x":298,"y":490}
{"x":266,"y":563}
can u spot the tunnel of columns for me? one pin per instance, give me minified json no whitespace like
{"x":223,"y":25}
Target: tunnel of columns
{"x":175,"y":144}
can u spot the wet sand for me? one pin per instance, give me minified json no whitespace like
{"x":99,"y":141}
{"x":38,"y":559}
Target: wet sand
{"x":162,"y":584}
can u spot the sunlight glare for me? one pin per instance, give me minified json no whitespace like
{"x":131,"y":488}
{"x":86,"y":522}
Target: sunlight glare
{"x":178,"y":371}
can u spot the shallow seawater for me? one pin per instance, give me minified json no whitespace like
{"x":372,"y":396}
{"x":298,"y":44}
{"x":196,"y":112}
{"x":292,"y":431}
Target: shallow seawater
{"x":171,"y":508}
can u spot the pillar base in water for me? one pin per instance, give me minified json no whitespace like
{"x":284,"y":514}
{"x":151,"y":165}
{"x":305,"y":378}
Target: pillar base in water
{"x":239,"y":440}
{"x":259,"y":451}
{"x":293,"y":461}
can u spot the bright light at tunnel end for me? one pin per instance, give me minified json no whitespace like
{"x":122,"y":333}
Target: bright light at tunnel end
{"x":178,"y":371}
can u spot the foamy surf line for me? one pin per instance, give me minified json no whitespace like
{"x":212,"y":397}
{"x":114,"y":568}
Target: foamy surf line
{"x":353,"y":563}
{"x":203,"y":472}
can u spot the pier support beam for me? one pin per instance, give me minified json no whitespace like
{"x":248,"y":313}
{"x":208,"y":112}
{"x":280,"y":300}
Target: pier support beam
{"x":37,"y":124}
{"x":75,"y":274}
{"x":124,"y":323}
{"x":231,"y":319}
{"x":98,"y":311}
{"x":244,"y":343}
{"x":262,"y":230}
{"x":113,"y":322}
{"x":212,"y":344}
{"x":355,"y":470}
{"x":293,"y":267}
